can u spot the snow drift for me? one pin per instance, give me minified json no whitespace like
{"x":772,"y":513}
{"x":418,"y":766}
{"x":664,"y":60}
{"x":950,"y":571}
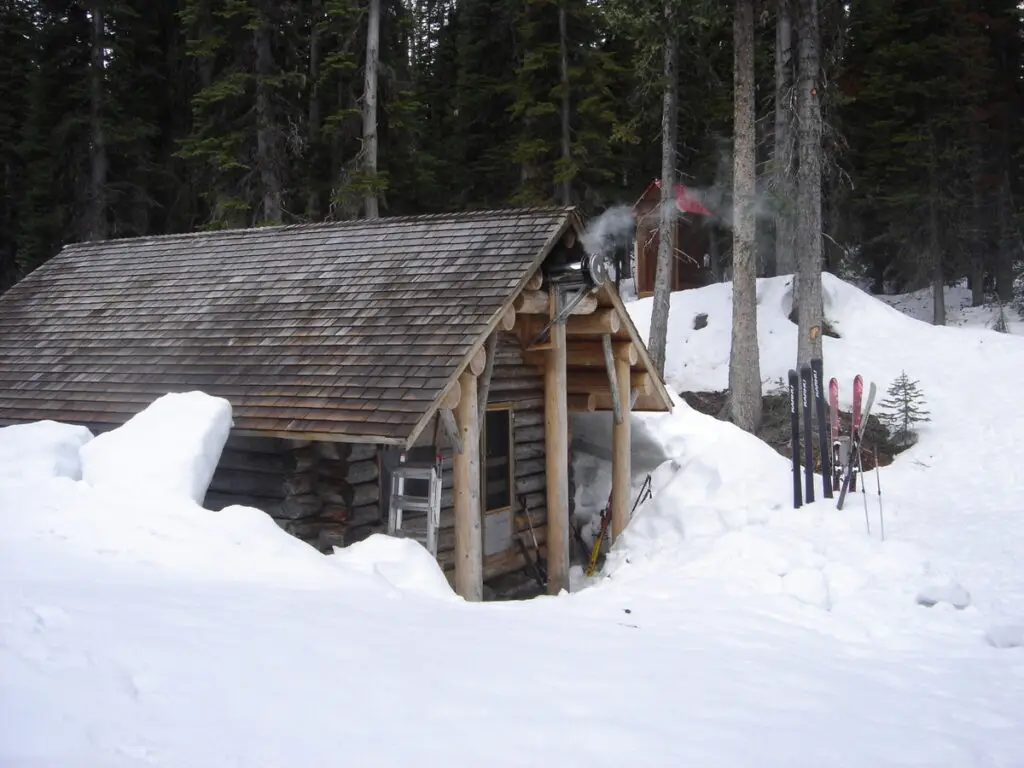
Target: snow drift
{"x":171,"y":448}
{"x":137,"y":628}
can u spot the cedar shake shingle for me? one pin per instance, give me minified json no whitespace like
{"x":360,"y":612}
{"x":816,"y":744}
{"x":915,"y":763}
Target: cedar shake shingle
{"x":351,"y":328}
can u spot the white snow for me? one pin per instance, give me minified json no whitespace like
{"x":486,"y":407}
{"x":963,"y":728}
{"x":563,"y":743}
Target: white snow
{"x":41,"y":450}
{"x":170,"y":448}
{"x":727,"y":629}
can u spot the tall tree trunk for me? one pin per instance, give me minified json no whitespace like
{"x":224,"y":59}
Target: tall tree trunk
{"x":744,"y":360}
{"x":313,"y":115}
{"x":96,"y":226}
{"x":1009,"y":241}
{"x":268,"y":160}
{"x":783,"y":159}
{"x":808,"y":187}
{"x":667,"y":218}
{"x":563,"y":41}
{"x":370,"y":108}
{"x":935,"y":251}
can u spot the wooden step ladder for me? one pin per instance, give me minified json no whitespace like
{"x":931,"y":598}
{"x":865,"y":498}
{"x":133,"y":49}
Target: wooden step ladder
{"x":412,"y":516}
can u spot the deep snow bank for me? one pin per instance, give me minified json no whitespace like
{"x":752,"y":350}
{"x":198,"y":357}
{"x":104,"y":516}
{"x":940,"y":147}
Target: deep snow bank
{"x":40,"y":451}
{"x":171,"y":448}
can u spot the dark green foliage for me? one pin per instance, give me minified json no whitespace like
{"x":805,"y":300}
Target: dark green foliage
{"x":219,"y":113}
{"x":17,"y":38}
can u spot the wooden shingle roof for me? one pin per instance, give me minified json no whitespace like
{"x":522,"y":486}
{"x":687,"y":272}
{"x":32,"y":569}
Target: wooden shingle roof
{"x":344,"y":331}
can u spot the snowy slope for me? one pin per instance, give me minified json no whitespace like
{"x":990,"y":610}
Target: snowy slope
{"x":959,"y":309}
{"x":727,"y":629}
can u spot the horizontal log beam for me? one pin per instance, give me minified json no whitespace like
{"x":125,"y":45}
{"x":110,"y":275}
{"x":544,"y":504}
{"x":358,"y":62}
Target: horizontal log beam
{"x":587,"y":354}
{"x":538,"y":303}
{"x":600,"y":322}
{"x":582,"y":382}
{"x":649,"y":402}
{"x":582,"y":403}
{"x":535,"y":282}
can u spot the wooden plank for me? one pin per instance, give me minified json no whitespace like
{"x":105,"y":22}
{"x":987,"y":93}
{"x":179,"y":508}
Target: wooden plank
{"x":556,"y":447}
{"x":621,"y":464}
{"x":469,"y":580}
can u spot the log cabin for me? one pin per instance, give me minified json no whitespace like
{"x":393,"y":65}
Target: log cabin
{"x":461,"y":342}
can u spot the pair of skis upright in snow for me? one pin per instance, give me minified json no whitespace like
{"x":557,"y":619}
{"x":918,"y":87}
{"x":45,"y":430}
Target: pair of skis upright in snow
{"x":805,"y":387}
{"x":837,"y":470}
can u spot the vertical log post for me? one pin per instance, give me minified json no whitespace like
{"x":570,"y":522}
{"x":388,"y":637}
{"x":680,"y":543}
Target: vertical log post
{"x":469,"y":561}
{"x":621,"y":464}
{"x":556,"y":446}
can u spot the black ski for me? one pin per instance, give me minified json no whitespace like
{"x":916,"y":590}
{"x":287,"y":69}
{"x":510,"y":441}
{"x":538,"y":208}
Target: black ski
{"x":855,"y":438}
{"x":794,"y":417}
{"x":817,"y":379}
{"x":805,"y":398}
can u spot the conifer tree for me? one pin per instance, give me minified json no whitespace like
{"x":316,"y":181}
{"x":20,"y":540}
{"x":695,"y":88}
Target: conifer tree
{"x":902,"y":408}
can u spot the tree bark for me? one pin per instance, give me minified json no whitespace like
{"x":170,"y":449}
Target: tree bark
{"x":667,"y":217}
{"x":98,"y":163}
{"x":268,"y":160}
{"x":1009,"y":242}
{"x":744,"y":360}
{"x":313,"y":115}
{"x":810,"y":311}
{"x":563,"y":41}
{"x":935,"y":252}
{"x":370,"y":109}
{"x":783,"y":159}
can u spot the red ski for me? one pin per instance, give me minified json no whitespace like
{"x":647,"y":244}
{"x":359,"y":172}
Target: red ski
{"x":858,"y":394}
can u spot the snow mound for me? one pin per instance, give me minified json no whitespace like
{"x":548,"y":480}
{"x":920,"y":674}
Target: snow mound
{"x":1009,"y":636}
{"x":951,"y":593}
{"x":403,"y":563}
{"x":40,"y":451}
{"x":717,"y":478}
{"x":171,"y":448}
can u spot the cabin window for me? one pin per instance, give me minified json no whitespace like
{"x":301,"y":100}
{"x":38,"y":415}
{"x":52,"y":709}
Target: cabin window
{"x":498,"y":453}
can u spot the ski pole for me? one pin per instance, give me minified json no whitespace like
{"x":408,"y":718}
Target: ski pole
{"x":878,"y":484}
{"x":860,"y":471}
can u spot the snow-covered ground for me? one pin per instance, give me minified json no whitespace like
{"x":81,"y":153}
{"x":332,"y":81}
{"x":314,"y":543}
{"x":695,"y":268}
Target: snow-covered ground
{"x":726,"y":630}
{"x":959,"y":309}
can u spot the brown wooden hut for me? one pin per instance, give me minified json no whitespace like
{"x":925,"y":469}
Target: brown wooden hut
{"x":345,"y":348}
{"x":691,"y":246}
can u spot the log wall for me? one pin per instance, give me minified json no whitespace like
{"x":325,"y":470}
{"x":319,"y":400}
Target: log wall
{"x":334,"y":494}
{"x":319,"y":492}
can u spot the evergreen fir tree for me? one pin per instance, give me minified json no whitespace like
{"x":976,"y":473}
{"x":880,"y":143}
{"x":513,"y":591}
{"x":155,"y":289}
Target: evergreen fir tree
{"x":902,"y":408}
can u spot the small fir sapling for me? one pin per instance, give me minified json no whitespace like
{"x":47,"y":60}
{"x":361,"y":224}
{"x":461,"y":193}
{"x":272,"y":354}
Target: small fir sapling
{"x":902,"y":408}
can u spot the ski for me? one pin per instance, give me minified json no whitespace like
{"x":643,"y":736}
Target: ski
{"x":805,"y":399}
{"x":858,"y":394}
{"x":855,"y":438}
{"x":794,"y":418}
{"x":833,"y":410}
{"x":817,"y":375}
